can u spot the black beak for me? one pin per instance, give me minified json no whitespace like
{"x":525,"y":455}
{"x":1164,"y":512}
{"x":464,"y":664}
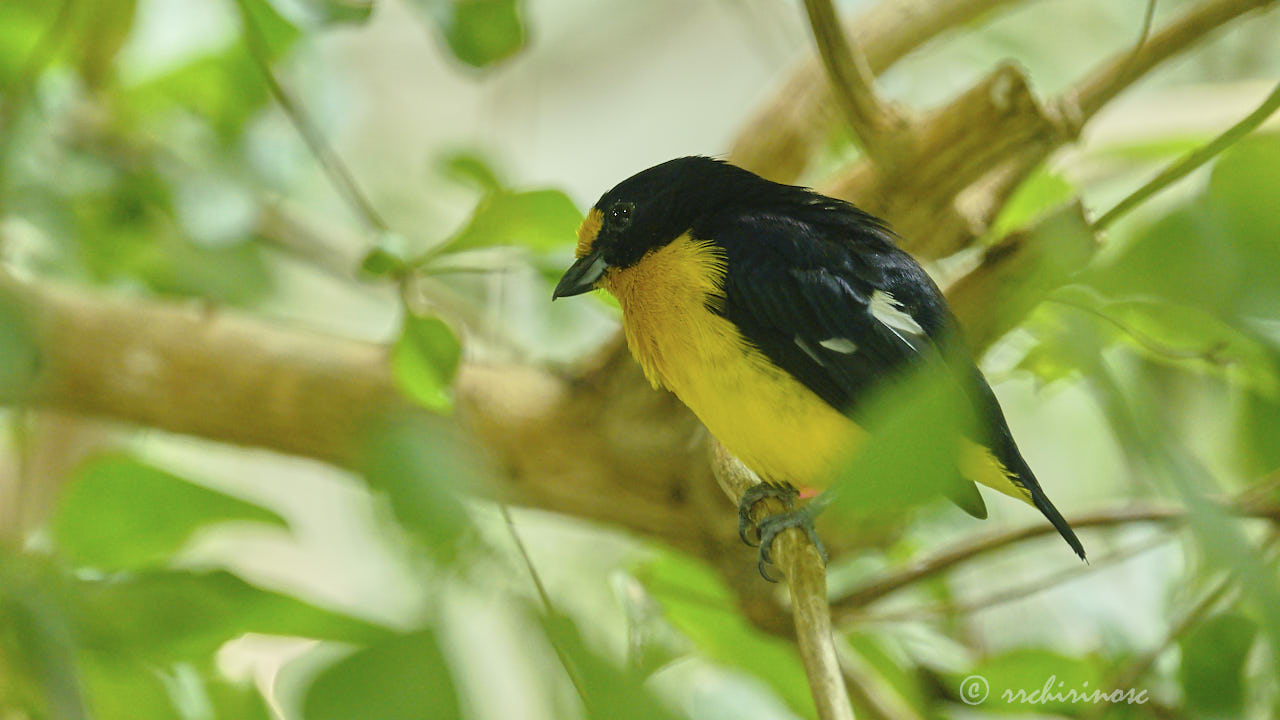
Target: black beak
{"x":581,"y":276}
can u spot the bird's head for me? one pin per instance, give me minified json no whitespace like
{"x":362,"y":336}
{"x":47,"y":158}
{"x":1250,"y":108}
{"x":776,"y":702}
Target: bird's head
{"x":646,"y":212}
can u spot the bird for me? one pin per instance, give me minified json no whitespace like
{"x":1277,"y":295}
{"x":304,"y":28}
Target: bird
{"x":774,"y":312}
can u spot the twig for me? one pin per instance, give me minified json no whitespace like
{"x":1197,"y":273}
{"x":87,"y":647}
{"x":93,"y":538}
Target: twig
{"x":1010,"y":594}
{"x":871,"y":690}
{"x":333,"y":166}
{"x":930,"y":566}
{"x":874,"y":122}
{"x":1193,"y":160}
{"x":807,"y":582}
{"x":547,"y":607}
{"x":1122,"y":70}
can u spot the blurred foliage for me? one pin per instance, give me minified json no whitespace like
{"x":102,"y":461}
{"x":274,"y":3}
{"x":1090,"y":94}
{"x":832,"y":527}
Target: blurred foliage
{"x":155,"y":178}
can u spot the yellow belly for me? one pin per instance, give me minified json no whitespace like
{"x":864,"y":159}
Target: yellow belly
{"x":758,"y":411}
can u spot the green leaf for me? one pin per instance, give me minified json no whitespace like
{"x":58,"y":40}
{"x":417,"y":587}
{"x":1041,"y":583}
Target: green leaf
{"x":1217,"y":253}
{"x":481,"y":33}
{"x":39,"y":673}
{"x":1179,"y":335}
{"x":607,"y":692}
{"x":121,"y":514}
{"x":914,"y":448}
{"x":470,"y":168}
{"x":1039,"y":193}
{"x":1212,"y":670}
{"x":424,"y":360}
{"x":341,"y":11}
{"x":539,"y":220}
{"x":404,"y":678}
{"x":422,"y":466}
{"x":695,"y":600}
{"x":167,"y":616}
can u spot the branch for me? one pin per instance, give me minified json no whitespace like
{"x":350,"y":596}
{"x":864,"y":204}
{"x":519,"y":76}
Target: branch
{"x":978,"y":133}
{"x":1194,"y":159}
{"x":807,"y":582}
{"x":781,"y":136}
{"x":880,"y":128}
{"x":930,"y":566}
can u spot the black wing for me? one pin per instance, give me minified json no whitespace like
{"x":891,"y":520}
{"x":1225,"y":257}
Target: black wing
{"x":825,"y":293}
{"x":837,"y":305}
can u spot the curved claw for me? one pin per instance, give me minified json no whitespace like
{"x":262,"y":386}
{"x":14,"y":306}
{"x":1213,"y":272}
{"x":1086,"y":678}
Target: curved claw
{"x":763,"y":567}
{"x":770,"y":527}
{"x":754,"y":494}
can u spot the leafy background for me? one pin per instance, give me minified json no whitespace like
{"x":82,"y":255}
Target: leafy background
{"x":143,"y":153}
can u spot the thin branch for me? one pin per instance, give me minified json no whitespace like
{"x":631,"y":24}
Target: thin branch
{"x":547,"y":607}
{"x":333,"y":166}
{"x":1122,"y":70}
{"x":875,"y":122}
{"x":1015,"y":592}
{"x":930,"y":566}
{"x":1192,"y":160}
{"x":806,"y":577}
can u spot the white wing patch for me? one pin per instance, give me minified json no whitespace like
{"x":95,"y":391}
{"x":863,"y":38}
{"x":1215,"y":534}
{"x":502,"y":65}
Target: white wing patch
{"x":887,"y":309}
{"x":808,"y":350}
{"x":844,"y":346}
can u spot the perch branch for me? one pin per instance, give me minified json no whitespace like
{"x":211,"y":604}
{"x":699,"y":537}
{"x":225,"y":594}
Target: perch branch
{"x":806,"y":577}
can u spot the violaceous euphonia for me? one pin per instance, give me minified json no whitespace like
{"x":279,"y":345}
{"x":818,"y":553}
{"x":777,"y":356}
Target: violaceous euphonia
{"x":772,"y":311}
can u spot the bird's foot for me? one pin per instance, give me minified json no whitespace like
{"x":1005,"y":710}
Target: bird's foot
{"x":771,"y":526}
{"x":754,"y":494}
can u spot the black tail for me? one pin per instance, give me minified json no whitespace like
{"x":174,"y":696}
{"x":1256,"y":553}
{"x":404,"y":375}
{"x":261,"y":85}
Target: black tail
{"x":1012,"y":459}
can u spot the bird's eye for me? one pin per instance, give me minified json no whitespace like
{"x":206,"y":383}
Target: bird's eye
{"x":620,"y":214}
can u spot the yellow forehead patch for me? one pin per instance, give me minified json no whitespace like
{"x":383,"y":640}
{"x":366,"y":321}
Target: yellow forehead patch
{"x":588,"y":231}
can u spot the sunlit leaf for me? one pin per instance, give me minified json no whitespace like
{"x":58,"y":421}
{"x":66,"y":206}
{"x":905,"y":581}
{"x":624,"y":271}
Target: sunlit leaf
{"x":119,"y":513}
{"x":695,"y":600}
{"x":1212,"y":670}
{"x":404,"y":678}
{"x":424,"y":360}
{"x":169,"y":616}
{"x":537,"y":219}
{"x":896,"y":680}
{"x":480,"y":33}
{"x":423,"y":467}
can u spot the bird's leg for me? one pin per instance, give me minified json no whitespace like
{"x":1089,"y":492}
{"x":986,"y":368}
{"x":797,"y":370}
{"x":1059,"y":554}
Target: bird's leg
{"x":784,"y":492}
{"x":769,"y":527}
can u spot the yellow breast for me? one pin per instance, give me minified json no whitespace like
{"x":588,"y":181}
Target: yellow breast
{"x":770,"y":421}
